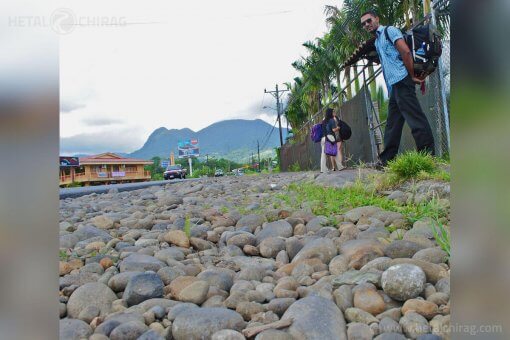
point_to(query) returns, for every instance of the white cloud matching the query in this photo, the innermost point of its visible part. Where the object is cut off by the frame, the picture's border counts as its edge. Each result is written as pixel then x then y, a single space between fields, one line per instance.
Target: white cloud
pixel 123 140
pixel 197 63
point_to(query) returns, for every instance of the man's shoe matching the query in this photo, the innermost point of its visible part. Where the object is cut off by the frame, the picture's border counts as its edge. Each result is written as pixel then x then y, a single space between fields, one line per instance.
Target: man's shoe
pixel 379 166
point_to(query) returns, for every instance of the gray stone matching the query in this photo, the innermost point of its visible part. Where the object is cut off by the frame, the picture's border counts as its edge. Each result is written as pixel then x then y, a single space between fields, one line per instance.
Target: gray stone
pixel 355 277
pixel 390 336
pixel 171 253
pixel 90 294
pixel 88 231
pixel 302 269
pixel 316 223
pixel 443 285
pixel 231 251
pixel 251 221
pixel 374 233
pixel 292 246
pixel 280 305
pixel 219 277
pixel 141 263
pixel 355 214
pixel 273 334
pixel 227 334
pixel 255 273
pixel 199 231
pixel 343 297
pixel 388 325
pixel 359 331
pixel 202 323
pixel 73 329
pixel 89 313
pixel 403 281
pixel 195 293
pixel 142 287
pixel 280 228
pixel 271 246
pixel 433 255
pixel 118 282
pixel 68 240
pixel 315 318
pixel 128 331
pixel 242 239
pixel 168 274
pixel 178 309
pixel 424 227
pixel 322 248
pixel 338 265
pixel 359 315
pixel 402 248
pixel 151 335
pixel 414 325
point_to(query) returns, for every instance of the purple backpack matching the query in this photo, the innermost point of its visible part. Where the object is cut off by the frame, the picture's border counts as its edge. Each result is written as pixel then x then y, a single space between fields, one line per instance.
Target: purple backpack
pixel 330 149
pixel 316 133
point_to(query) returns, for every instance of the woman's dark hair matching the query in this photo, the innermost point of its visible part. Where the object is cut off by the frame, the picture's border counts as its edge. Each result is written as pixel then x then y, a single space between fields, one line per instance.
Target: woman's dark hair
pixel 328 114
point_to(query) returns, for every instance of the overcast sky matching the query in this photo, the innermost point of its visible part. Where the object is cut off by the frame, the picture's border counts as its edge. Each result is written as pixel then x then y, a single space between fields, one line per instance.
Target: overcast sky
pixel 175 64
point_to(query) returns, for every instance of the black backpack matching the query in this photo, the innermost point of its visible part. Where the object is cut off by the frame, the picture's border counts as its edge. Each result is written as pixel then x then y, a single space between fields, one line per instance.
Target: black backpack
pixel 425 45
pixel 345 130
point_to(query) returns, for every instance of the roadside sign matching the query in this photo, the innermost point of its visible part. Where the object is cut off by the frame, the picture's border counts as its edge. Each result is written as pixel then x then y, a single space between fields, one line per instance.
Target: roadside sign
pixel 188 148
pixel 165 163
pixel 69 161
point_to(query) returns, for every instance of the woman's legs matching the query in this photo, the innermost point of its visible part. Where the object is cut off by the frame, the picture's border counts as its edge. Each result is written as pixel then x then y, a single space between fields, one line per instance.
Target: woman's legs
pixel 338 157
pixel 332 159
pixel 324 167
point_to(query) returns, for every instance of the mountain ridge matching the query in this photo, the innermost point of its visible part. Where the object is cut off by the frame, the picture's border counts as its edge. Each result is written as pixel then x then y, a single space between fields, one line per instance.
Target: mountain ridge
pixel 234 139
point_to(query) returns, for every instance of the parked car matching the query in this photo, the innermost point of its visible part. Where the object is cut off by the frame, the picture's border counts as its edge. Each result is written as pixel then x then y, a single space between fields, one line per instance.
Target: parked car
pixel 174 171
pixel 218 173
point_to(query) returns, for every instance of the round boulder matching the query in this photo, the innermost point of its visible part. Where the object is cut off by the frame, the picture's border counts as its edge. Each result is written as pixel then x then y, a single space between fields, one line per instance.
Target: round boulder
pixel 403 281
pixel 202 323
pixel 142 287
pixel 90 294
pixel 315 317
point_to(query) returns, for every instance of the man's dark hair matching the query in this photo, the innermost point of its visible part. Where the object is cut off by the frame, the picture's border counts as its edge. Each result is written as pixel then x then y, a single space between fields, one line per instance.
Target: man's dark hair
pixel 371 12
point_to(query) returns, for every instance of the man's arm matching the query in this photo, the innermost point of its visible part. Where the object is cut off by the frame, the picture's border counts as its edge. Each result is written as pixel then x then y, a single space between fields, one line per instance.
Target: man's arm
pixel 405 53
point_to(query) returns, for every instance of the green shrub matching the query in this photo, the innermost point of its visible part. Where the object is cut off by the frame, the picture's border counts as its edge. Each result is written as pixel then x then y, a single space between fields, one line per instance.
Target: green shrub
pixel 412 164
pixel 295 167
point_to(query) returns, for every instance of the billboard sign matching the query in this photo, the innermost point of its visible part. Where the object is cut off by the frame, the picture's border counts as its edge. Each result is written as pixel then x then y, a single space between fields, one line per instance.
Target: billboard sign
pixel 188 148
pixel 69 161
pixel 165 163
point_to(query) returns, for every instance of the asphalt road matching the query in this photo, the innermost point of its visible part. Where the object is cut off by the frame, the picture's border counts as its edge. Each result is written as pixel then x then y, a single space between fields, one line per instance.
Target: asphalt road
pixel 100 189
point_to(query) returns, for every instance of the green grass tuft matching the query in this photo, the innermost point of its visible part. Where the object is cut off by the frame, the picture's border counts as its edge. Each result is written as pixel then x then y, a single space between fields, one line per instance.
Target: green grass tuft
pixel 187 227
pixel 412 164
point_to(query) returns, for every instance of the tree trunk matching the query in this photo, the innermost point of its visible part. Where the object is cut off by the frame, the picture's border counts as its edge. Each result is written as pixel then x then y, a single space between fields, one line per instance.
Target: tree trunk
pixel 356 80
pixel 347 75
pixel 339 86
pixel 373 85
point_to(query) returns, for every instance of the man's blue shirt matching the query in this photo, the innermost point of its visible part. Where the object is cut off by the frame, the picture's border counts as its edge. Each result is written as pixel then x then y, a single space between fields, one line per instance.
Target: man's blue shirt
pixel 394 69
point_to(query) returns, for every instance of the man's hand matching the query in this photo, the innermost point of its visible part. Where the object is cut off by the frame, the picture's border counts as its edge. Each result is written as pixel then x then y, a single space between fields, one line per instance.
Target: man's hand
pixel 418 80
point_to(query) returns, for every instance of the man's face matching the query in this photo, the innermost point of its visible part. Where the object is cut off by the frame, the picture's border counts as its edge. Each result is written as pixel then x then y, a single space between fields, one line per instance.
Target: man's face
pixel 370 23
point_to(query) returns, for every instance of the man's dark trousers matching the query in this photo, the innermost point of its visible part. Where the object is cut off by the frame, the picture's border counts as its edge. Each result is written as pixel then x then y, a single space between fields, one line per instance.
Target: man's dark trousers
pixel 404 106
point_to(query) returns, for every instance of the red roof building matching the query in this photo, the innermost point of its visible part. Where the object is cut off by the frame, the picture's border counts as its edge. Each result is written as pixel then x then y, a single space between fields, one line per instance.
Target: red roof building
pixel 105 168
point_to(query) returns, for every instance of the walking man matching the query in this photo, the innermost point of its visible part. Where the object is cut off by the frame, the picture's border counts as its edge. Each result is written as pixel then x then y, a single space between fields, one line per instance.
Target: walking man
pixel 397 65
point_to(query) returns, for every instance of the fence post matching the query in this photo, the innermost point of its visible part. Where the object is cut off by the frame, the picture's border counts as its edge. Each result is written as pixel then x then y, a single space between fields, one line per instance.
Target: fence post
pixel 371 132
pixel 442 89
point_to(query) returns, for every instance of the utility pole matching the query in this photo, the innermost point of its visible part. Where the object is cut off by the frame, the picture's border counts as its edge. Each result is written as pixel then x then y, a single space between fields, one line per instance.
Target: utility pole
pixel 258 152
pixel 276 94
